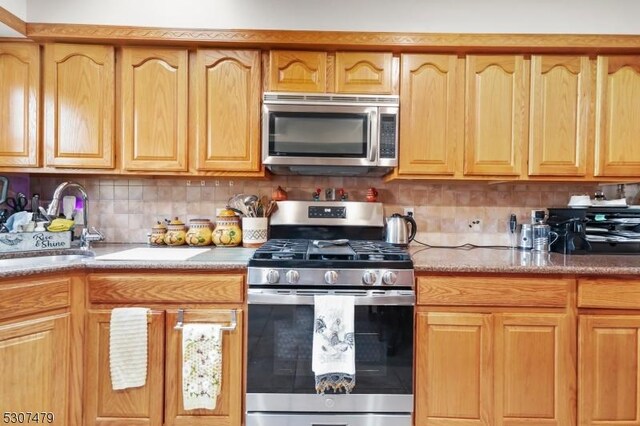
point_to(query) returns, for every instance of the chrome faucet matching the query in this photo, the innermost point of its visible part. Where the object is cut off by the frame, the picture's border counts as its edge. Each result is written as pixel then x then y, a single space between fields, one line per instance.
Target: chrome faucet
pixel 87 235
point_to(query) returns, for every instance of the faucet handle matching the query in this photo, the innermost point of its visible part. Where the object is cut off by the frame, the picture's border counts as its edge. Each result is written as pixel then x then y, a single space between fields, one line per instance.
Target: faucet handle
pixel 90 236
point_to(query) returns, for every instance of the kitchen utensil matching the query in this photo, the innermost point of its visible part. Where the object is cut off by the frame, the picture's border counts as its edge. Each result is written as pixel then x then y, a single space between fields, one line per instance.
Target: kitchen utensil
pixel 272 207
pixel 400 230
pixel 250 204
pixel 540 234
pixel 524 237
pixel 17 203
pixel 326 243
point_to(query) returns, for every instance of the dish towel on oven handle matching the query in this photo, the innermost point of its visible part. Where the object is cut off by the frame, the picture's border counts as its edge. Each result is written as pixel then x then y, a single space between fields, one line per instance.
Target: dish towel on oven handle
pixel 333 359
pixel 201 365
pixel 128 347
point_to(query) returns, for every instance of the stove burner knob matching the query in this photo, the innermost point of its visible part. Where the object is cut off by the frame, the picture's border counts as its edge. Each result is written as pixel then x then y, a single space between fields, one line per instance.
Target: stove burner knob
pixel 273 276
pixel 293 276
pixel 331 277
pixel 369 277
pixel 389 278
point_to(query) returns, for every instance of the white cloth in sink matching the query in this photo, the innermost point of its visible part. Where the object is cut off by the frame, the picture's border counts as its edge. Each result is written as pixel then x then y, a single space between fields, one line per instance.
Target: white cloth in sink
pixel 333 359
pixel 128 347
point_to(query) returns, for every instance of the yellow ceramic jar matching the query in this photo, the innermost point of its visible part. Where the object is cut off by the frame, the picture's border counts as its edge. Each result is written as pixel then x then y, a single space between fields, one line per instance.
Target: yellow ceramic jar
pixel 158 232
pixel 227 232
pixel 199 233
pixel 176 233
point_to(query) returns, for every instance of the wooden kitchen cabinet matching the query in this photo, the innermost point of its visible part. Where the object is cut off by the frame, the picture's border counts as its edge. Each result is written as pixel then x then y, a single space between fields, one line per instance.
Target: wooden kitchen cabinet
pixel 208 298
pixel 79 106
pixel 297 71
pixel 562 92
pixel 364 72
pixel 495 351
pixel 617 112
pixel 154 105
pixel 496 115
pixel 227 108
pixel 431 114
pixel 19 105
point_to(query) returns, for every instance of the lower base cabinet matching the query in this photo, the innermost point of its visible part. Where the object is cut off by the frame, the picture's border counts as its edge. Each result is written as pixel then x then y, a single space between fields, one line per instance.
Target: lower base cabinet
pixel 159 401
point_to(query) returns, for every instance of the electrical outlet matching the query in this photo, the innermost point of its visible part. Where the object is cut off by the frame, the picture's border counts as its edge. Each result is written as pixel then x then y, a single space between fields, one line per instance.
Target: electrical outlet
pixel 409 211
pixel 475 225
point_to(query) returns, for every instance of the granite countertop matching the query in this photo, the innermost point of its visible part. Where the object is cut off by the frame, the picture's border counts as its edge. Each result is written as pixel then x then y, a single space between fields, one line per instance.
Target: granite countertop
pixel 426 259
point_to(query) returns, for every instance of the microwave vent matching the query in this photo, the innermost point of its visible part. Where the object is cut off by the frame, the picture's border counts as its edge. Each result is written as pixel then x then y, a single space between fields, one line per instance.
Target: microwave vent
pixel 329 99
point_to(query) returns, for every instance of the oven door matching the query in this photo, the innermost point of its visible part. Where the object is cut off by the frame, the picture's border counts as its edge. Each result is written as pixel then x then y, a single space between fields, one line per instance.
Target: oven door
pixel 318 135
pixel 279 374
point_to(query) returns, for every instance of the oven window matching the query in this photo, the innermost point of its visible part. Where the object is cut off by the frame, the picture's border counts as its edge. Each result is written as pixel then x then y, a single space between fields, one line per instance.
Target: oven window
pixel 280 342
pixel 311 134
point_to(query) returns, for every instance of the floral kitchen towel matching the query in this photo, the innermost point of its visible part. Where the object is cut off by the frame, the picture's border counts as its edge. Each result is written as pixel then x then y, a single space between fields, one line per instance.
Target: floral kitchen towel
pixel 201 365
pixel 128 347
pixel 333 360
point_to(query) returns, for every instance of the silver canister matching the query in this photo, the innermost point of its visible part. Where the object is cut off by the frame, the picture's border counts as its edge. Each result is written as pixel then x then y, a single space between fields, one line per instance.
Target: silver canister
pixel 525 240
pixel 541 233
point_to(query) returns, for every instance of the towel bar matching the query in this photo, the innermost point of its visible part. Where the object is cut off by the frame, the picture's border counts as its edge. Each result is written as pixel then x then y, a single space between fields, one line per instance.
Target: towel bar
pixel 232 324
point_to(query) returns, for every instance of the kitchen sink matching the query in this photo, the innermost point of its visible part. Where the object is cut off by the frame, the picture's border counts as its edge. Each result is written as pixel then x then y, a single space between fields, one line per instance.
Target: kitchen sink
pixel 35 261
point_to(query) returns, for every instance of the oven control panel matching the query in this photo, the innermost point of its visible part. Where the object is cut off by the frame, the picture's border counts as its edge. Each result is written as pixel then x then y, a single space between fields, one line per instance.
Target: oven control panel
pixel 338 277
pixel 327 212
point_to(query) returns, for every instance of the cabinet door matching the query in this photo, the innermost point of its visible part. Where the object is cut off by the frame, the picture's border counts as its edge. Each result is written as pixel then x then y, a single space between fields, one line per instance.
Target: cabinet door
pixel 453 369
pixel 561 94
pixel 154 109
pixel 496 115
pixel 617 112
pixel 608 370
pixel 431 120
pixel 34 366
pixel 79 106
pixel 535 372
pixel 228 110
pixel 363 72
pixel 128 407
pixel 292 71
pixel 19 92
pixel 228 409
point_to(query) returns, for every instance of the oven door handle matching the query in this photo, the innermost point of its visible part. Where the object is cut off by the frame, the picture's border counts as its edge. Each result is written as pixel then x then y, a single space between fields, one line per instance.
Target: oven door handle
pixel 306 297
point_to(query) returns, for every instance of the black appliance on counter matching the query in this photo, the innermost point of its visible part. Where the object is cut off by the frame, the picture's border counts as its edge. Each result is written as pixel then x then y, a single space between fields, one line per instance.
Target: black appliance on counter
pixel 596 230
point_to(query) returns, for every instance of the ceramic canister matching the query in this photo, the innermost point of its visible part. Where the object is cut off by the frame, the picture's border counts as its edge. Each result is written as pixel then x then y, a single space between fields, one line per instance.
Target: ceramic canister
pixel 227 231
pixel 199 233
pixel 176 233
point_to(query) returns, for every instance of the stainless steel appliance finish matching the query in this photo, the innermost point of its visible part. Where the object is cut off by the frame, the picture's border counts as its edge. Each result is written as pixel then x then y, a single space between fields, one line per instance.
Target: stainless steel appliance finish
pixel 286 274
pixel 400 230
pixel 311 133
pixel 525 238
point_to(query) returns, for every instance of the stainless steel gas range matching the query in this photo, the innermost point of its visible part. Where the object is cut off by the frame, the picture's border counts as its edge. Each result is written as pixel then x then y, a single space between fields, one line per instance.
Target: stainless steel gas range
pixel 334 248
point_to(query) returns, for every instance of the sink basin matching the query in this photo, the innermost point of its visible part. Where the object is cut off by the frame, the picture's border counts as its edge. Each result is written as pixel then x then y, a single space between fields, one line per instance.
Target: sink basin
pixel 35 261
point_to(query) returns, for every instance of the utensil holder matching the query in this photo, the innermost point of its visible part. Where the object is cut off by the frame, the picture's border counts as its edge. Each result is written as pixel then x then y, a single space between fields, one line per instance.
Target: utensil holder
pixel 255 231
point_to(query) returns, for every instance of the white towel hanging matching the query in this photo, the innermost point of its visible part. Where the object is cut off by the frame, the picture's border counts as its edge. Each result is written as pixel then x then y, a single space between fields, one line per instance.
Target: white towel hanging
pixel 201 365
pixel 128 347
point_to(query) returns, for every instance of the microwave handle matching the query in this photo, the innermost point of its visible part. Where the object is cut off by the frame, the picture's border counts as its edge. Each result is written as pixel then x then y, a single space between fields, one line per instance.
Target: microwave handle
pixel 373 139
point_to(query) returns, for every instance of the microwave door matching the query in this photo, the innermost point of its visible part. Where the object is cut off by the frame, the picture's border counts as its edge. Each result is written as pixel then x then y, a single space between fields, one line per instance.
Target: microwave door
pixel 319 135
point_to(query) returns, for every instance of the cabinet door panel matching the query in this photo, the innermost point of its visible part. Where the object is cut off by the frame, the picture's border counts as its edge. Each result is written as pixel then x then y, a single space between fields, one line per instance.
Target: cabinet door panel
pixel 453 369
pixel 608 370
pixel 228 411
pixel 154 109
pixel 34 366
pixel 534 369
pixel 431 120
pixel 79 106
pixel 228 110
pixel 496 115
pixel 293 71
pixel 617 112
pixel 19 92
pixel 368 72
pixel 128 407
pixel 561 95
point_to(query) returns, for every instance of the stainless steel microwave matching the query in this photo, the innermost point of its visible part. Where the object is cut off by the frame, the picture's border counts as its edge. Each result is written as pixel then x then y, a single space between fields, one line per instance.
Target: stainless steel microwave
pixel 335 134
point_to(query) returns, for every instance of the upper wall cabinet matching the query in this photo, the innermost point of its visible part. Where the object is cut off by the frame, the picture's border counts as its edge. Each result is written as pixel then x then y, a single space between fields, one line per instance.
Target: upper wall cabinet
pixel 562 90
pixel 368 72
pixel 496 115
pixel 293 71
pixel 154 102
pixel 227 110
pixel 79 106
pixel 617 116
pixel 431 114
pixel 19 94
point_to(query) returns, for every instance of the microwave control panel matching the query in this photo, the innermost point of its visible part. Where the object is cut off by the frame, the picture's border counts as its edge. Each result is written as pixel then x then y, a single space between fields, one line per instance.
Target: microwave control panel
pixel 327 212
pixel 388 127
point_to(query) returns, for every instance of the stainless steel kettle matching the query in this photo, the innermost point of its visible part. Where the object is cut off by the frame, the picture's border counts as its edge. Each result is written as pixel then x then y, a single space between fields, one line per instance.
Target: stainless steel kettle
pixel 400 230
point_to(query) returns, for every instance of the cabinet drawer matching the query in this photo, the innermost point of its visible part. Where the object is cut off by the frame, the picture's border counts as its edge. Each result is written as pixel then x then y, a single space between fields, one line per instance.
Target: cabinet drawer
pixel 23 297
pixel 609 293
pixel 493 291
pixel 160 288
